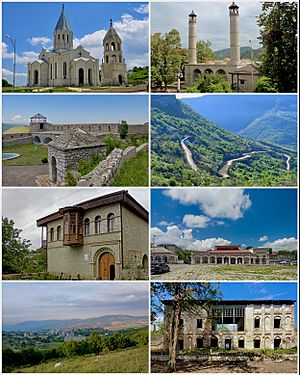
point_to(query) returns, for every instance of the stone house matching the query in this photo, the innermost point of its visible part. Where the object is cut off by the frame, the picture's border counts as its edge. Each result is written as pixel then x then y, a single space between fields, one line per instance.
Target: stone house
pixel 231 255
pixel 105 238
pixel 249 324
pixel 161 253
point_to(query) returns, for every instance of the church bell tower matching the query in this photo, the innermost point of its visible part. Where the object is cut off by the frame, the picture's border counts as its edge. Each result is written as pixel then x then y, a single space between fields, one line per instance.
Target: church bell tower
pixel 63 34
pixel 234 34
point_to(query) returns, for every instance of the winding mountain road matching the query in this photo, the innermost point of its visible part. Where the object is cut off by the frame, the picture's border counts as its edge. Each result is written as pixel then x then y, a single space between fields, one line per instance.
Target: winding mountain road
pixel 188 155
pixel 224 170
pixel 288 164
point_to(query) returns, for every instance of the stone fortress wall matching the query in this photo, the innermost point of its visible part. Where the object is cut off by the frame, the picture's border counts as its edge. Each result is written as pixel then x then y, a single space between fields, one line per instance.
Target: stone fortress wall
pixel 107 170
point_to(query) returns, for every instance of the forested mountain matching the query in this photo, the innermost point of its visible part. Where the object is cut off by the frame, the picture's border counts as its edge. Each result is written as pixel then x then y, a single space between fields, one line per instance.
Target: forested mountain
pixel 177 127
pixel 278 126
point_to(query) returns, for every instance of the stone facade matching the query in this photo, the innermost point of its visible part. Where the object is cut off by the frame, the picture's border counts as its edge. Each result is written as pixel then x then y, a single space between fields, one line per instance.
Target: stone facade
pixel 43 131
pixel 110 241
pixel 64 65
pixel 106 171
pixel 16 139
pixel 241 74
pixel 66 152
pixel 161 253
pixel 113 68
pixel 231 255
pixel 267 324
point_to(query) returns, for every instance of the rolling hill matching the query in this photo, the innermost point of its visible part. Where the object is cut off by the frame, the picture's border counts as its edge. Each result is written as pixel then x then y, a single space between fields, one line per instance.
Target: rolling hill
pixel 214 150
pixel 245 52
pixel 8 128
pixel 278 125
pixel 111 322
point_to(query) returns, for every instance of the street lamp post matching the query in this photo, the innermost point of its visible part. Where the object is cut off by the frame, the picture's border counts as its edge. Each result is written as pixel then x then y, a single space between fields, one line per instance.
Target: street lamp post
pixel 13 42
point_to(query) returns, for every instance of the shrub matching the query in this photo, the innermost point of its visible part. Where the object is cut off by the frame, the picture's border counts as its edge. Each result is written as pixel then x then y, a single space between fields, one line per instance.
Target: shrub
pixel 44 160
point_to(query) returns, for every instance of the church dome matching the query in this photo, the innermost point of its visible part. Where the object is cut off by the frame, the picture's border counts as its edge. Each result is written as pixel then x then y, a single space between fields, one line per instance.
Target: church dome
pixel 111 34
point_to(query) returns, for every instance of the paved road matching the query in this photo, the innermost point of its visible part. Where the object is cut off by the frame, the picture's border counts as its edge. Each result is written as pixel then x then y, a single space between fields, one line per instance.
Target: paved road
pixel 188 155
pixel 24 175
pixel 288 164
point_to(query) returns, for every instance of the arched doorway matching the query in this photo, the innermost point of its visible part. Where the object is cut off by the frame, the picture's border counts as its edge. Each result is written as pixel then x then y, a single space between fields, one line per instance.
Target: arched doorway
pixel 90 76
pixel 53 169
pixel 226 260
pixel 222 72
pixel 36 77
pixel 208 71
pixel 107 270
pixel 81 76
pixel 145 262
pixel 205 260
pixel 196 73
pixel 36 140
pixel 120 78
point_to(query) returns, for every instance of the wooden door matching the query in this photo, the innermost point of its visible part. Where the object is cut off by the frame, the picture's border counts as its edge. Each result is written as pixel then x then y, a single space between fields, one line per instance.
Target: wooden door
pixel 107 267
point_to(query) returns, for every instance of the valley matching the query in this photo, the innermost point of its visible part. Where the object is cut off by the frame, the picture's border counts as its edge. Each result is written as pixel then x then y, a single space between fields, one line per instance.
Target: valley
pixel 213 156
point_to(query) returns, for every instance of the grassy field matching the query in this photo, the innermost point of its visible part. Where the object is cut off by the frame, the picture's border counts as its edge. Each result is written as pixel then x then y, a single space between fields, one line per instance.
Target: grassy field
pixel 129 360
pixel 134 172
pixel 207 272
pixel 30 154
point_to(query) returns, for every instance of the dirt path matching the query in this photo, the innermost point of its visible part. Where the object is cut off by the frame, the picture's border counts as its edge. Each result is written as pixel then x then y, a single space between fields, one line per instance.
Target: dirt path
pixel 24 175
pixel 188 155
pixel 288 164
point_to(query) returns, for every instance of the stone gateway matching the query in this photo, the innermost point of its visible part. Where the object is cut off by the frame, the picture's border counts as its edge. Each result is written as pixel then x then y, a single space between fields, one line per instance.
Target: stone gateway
pixel 104 238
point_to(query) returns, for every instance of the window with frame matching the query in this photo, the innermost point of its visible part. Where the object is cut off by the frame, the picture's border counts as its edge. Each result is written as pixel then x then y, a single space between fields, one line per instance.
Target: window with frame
pixel 58 233
pixel 110 222
pixel 86 227
pixel 98 224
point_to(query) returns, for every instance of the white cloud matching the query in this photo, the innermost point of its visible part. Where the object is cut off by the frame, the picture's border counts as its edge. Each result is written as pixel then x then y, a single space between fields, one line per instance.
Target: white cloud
pixel 36 40
pixel 263 238
pixel 196 221
pixel 16 118
pixel 164 223
pixel 220 203
pixel 8 74
pixel 184 238
pixel 24 58
pixel 134 35
pixel 143 9
pixel 290 243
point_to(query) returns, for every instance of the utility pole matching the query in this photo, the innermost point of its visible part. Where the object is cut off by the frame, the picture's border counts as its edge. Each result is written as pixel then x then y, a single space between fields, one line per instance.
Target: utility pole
pixel 13 42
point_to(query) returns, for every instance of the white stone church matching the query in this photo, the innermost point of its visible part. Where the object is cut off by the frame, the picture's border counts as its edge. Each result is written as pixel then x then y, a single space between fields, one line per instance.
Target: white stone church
pixel 68 66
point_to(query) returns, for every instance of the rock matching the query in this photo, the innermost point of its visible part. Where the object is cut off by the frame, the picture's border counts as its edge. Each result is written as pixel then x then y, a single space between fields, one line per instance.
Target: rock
pixel 59 364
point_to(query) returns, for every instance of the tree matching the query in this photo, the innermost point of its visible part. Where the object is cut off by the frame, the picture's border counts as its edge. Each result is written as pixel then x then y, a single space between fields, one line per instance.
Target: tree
pixel 5 83
pixel 204 51
pixel 265 84
pixel 14 249
pixel 165 58
pixel 278 35
pixel 213 82
pixel 182 297
pixel 123 129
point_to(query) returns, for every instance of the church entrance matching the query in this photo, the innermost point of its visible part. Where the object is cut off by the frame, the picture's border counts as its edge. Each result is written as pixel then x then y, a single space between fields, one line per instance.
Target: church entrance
pixel 80 76
pixel 53 169
pixel 36 77
pixel 120 79
pixel 228 344
pixel 107 267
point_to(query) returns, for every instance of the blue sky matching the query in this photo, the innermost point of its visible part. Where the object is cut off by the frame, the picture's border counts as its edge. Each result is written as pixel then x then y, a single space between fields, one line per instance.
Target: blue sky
pixel 212 20
pixel 32 25
pixel 199 219
pixel 235 112
pixel 76 108
pixel 258 291
pixel 42 301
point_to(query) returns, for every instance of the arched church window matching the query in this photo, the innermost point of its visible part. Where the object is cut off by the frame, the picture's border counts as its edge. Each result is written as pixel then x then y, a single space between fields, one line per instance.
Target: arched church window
pixel 63 36
pixel 68 38
pixel 120 59
pixel 113 58
pixel 86 227
pixel 107 61
pixel 58 37
pixel 55 70
pixel 110 222
pixel 51 234
pixel 58 233
pixel 65 70
pixel 51 73
pixel 113 46
pixel 97 224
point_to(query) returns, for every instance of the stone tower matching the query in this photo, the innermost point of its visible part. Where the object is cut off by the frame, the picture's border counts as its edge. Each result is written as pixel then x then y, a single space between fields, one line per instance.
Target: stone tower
pixel 113 69
pixel 234 34
pixel 63 35
pixel 192 38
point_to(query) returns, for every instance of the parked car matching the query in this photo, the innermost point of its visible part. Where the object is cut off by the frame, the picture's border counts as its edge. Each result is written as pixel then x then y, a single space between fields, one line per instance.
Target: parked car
pixel 159 267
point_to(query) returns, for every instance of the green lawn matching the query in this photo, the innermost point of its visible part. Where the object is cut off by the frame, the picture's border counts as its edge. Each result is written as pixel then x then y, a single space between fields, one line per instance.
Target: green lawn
pixel 30 154
pixel 128 360
pixel 134 172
